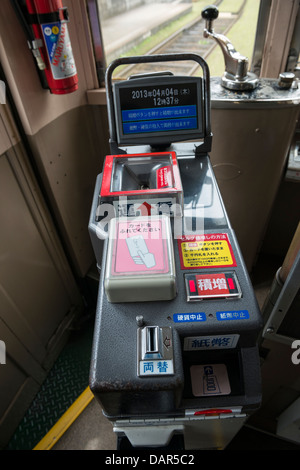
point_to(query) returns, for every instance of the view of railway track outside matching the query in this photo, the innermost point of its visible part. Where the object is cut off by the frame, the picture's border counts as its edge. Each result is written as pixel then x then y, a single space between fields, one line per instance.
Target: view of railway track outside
pixel 237 20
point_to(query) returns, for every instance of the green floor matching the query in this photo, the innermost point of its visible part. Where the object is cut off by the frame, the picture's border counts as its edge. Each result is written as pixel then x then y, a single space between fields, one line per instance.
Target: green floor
pixel 67 379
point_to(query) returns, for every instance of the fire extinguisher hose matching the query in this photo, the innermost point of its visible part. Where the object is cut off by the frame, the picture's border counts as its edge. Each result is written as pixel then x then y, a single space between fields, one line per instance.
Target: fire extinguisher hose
pixel 33 44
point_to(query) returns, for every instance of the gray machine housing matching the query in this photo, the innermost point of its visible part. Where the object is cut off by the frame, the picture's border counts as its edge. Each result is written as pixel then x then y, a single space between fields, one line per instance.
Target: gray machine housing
pixel 124 395
pixel 113 377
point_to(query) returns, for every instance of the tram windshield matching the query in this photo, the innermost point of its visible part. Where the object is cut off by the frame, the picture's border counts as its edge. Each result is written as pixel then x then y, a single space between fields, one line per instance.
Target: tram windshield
pixel 140 28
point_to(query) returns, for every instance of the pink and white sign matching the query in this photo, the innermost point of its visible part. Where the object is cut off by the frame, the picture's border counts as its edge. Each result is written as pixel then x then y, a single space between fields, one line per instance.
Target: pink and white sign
pixel 140 247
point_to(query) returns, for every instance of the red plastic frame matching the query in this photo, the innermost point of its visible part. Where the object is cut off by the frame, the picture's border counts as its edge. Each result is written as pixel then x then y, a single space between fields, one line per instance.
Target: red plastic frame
pixel 108 168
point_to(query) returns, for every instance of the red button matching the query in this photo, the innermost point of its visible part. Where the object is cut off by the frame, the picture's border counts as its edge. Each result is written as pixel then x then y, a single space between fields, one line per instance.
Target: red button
pixel 213 412
pixel 192 286
pixel 230 283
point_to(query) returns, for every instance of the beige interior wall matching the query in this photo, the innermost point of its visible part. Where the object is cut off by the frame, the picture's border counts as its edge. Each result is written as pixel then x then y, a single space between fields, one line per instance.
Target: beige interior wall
pixel 249 154
pixel 67 136
pixel 36 106
pixel 39 297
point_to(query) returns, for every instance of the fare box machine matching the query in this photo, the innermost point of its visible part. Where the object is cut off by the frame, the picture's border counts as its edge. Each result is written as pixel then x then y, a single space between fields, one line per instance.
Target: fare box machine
pixel 174 358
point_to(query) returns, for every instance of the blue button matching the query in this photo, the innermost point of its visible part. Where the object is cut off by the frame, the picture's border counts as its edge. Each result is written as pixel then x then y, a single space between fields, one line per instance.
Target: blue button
pixel 232 315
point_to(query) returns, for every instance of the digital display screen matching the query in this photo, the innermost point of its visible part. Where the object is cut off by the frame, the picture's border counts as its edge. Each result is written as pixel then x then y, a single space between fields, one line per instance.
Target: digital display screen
pixel 168 110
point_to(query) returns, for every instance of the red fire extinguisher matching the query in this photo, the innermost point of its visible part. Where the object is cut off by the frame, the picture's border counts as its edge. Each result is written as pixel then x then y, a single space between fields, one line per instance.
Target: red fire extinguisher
pixel 52 46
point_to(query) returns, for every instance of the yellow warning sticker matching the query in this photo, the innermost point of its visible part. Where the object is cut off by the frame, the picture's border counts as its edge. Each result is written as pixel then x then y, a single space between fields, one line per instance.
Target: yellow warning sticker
pixel 205 251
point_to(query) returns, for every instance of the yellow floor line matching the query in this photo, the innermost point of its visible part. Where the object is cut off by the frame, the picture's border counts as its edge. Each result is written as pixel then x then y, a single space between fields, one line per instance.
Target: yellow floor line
pixel 65 421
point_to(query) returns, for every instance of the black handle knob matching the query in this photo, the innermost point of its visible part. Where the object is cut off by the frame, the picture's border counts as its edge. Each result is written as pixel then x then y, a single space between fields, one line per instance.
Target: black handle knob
pixel 210 13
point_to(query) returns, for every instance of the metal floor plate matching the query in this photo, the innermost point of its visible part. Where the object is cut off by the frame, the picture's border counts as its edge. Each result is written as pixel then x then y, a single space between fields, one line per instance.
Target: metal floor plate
pixel 67 379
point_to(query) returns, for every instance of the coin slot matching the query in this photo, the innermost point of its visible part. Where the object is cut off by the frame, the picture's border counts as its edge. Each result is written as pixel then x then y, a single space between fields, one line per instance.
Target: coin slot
pixel 152 340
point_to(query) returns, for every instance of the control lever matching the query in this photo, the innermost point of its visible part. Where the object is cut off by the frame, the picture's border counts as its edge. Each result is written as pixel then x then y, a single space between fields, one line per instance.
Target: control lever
pixel 236 76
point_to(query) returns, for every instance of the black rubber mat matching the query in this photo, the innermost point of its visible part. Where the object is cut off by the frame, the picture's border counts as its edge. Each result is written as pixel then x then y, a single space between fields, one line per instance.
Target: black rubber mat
pixel 67 379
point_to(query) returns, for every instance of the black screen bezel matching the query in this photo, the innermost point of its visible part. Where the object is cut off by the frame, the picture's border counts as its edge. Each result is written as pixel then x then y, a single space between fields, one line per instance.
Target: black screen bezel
pixel 158 138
